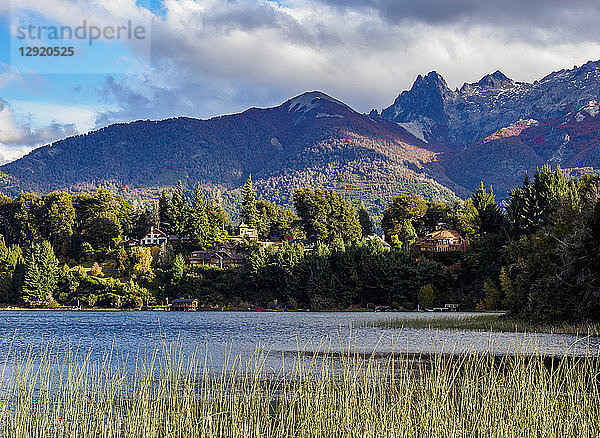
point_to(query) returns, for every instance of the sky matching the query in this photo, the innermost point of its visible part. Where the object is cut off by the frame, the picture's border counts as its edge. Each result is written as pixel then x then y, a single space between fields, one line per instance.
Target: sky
pixel 203 58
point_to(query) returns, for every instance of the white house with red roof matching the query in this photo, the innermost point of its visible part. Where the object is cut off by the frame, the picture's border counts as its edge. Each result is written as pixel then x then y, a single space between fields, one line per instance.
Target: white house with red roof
pixel 154 237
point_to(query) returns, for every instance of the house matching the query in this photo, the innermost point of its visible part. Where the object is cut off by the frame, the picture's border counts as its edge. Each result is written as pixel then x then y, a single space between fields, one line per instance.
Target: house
pixel 441 241
pixel 185 304
pixel 379 239
pixel 153 237
pixel 173 239
pixel 132 242
pixel 247 231
pixel 219 258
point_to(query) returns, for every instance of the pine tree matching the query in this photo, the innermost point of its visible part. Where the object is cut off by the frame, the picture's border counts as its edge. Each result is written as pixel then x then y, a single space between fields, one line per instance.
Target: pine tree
pixel 41 275
pixel 366 224
pixel 199 228
pixel 533 206
pixel 178 269
pixel 249 212
pixel 490 215
pixel 32 292
pixel 177 211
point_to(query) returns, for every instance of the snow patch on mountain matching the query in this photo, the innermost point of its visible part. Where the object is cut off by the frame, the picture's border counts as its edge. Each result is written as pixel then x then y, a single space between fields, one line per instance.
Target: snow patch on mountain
pixel 592 109
pixel 415 129
pixel 477 110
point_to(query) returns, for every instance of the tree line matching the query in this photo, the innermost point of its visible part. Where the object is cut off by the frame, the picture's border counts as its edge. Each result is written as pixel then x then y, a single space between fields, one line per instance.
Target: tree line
pixel 535 254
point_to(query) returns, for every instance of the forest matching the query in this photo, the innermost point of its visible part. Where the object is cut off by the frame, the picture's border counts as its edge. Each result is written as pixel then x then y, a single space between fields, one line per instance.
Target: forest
pixel 534 254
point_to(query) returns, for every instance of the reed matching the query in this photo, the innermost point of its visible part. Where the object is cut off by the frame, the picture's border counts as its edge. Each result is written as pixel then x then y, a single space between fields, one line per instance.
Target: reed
pixel 485 322
pixel 166 393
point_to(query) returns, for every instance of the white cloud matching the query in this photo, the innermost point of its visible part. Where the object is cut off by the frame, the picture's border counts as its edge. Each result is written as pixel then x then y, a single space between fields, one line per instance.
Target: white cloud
pixel 261 53
pixel 17 139
pixel 212 56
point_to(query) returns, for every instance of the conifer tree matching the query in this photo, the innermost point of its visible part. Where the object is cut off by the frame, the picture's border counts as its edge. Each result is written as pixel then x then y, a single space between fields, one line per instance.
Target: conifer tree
pixel 177 211
pixel 490 215
pixel 249 212
pixel 178 269
pixel 199 228
pixel 366 224
pixel 41 275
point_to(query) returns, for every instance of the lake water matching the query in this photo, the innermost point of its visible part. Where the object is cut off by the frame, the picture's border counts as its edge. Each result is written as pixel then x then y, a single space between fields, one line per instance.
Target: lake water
pixel 281 333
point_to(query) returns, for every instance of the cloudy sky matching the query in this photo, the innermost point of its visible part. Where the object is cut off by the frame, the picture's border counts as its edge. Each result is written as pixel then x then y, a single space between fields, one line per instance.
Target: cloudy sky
pixel 203 58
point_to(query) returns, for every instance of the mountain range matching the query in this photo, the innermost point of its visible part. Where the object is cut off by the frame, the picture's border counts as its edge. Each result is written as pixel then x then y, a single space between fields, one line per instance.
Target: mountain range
pixel 432 140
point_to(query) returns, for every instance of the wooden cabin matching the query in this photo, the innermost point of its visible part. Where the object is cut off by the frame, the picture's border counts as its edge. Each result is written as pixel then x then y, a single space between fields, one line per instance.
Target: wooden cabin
pixel 185 304
pixel 441 241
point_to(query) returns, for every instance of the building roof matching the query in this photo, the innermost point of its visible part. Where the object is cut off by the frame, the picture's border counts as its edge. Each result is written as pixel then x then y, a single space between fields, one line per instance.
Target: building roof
pixel 184 300
pixel 443 234
pixel 155 231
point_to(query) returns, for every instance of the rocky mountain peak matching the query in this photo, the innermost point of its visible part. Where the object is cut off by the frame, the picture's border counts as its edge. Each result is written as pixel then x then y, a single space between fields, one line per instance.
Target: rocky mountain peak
pixel 314 104
pixel 479 109
pixel 493 81
pixel 433 80
pixel 310 100
pixel 422 107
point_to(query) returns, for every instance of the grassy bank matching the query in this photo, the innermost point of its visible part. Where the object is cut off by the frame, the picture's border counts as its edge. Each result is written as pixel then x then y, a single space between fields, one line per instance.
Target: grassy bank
pixel 485 322
pixel 325 395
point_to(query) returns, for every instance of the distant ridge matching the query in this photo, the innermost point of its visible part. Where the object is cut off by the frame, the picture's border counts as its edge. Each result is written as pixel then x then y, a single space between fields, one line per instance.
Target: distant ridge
pixel 432 140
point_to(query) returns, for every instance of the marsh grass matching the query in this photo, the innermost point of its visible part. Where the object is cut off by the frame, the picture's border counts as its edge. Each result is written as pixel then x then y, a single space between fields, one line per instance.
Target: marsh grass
pixel 168 394
pixel 484 322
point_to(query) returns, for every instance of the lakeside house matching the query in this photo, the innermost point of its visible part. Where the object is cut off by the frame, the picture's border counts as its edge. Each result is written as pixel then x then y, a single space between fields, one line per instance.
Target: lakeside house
pixel 247 231
pixel 441 241
pixel 185 304
pixel 154 237
pixel 219 258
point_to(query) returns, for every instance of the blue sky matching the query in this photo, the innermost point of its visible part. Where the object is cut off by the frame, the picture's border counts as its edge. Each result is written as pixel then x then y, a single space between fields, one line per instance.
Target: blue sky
pixel 208 57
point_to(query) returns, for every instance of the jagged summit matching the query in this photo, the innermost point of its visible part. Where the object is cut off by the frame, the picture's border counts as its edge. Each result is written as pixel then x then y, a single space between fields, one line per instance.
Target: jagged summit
pixel 432 79
pixel 496 80
pixel 479 109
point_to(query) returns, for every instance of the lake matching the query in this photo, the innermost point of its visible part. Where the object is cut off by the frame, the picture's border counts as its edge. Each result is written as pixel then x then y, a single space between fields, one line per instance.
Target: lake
pixel 281 333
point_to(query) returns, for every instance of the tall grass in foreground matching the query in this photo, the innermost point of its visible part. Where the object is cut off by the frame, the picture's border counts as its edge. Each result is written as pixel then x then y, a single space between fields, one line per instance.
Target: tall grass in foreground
pixel 484 322
pixel 324 395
